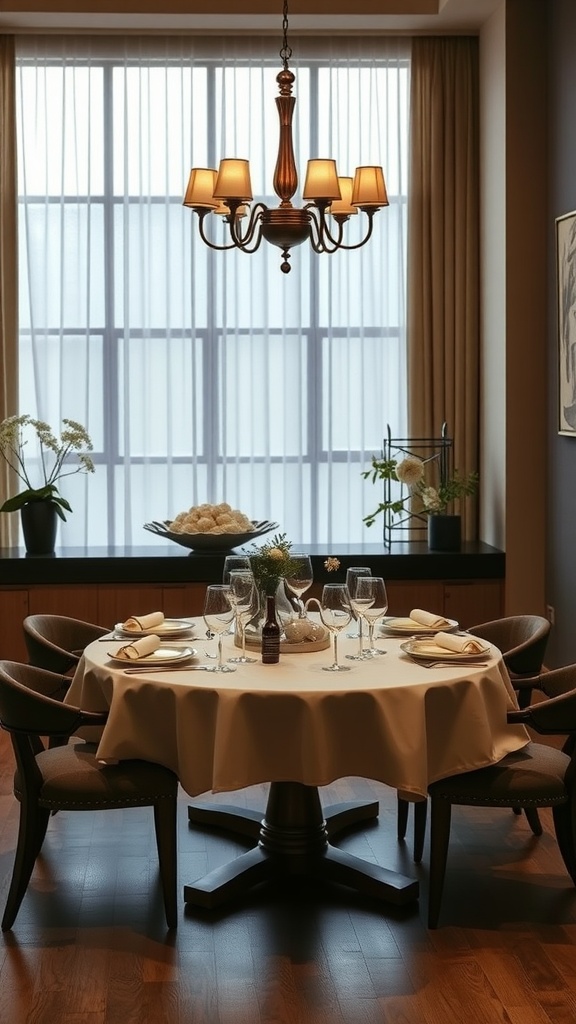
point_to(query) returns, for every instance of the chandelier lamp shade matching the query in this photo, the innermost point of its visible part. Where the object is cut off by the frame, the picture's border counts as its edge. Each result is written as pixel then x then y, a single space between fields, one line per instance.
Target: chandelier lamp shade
pixel 329 200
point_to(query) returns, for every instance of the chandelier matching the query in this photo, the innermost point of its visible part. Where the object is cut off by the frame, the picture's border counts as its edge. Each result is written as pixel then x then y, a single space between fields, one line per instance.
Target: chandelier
pixel 228 192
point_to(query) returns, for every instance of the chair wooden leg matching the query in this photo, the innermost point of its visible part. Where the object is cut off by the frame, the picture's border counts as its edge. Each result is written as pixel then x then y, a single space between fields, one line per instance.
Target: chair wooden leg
pixel 533 819
pixel 441 813
pixel 165 827
pixel 402 816
pixel 31 831
pixel 420 815
pixel 563 816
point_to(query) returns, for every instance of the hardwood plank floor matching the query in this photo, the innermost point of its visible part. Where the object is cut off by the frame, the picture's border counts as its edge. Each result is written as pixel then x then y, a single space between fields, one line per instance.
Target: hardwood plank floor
pixel 90 944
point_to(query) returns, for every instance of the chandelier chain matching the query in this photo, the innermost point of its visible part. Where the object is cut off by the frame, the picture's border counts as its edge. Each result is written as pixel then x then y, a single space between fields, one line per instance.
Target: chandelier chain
pixel 286 51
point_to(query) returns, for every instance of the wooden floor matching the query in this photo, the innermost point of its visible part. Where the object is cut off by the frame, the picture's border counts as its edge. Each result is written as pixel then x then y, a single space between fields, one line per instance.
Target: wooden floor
pixel 90 944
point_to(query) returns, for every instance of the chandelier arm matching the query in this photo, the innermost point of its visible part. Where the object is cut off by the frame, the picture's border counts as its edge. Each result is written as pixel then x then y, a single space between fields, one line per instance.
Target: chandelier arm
pixel 243 241
pixel 319 225
pixel 338 243
pixel 204 236
pixel 367 236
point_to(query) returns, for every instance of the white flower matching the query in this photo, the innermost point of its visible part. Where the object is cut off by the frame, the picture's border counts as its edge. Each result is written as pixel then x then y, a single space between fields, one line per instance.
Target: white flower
pixel 410 471
pixel 431 499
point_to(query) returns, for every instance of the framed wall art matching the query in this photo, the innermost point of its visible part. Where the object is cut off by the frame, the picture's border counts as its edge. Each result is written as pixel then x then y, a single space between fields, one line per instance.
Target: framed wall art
pixel 566 285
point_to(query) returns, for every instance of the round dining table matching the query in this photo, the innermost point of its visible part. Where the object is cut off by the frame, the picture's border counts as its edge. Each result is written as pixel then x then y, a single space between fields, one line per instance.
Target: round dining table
pixel 295 725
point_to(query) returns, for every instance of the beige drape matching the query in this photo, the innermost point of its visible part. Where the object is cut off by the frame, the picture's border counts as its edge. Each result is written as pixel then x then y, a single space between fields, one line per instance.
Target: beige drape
pixel 443 244
pixel 8 267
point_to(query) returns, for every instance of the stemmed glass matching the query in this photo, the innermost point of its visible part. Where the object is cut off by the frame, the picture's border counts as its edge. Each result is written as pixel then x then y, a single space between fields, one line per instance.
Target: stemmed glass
pixel 244 597
pixel 352 574
pixel 300 578
pixel 335 613
pixel 234 563
pixel 218 616
pixel 372 602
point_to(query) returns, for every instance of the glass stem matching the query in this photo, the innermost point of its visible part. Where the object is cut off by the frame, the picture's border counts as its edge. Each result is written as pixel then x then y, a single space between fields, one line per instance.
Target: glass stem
pixel 371 636
pixel 360 636
pixel 220 660
pixel 243 628
pixel 335 648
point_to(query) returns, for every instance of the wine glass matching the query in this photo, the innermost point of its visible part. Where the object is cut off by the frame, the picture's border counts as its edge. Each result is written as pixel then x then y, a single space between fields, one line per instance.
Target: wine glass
pixel 352 574
pixel 218 616
pixel 234 563
pixel 372 602
pixel 245 601
pixel 300 578
pixel 335 613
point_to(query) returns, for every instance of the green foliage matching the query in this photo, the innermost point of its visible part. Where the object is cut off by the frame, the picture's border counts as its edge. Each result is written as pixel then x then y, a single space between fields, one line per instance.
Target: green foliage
pixel 420 498
pixel 271 562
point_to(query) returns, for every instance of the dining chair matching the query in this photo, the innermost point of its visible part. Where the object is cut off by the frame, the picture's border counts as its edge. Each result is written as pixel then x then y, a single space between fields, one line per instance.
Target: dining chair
pixel 70 778
pixel 537 775
pixel 56 642
pixel 522 639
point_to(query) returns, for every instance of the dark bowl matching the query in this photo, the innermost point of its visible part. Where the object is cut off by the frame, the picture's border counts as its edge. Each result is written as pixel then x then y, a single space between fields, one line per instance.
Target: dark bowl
pixel 211 541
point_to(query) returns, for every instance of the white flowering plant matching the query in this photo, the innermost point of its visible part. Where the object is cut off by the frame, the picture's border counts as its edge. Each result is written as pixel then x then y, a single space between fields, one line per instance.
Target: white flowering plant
pixel 54 458
pixel 410 471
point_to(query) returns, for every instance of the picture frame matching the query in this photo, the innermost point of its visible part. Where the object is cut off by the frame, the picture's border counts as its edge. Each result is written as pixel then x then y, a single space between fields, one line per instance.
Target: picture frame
pixel 566 293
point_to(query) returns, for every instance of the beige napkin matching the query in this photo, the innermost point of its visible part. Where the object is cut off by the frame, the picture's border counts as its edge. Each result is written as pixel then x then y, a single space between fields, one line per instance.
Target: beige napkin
pixel 460 644
pixel 428 619
pixel 144 621
pixel 139 649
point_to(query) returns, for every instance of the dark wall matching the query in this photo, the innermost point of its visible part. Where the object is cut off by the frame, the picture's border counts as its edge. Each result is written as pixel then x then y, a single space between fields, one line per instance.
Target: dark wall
pixel 561 555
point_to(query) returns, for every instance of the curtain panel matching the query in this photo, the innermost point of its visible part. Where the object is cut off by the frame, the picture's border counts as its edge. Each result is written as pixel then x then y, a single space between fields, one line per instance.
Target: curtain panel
pixel 8 274
pixel 443 250
pixel 204 376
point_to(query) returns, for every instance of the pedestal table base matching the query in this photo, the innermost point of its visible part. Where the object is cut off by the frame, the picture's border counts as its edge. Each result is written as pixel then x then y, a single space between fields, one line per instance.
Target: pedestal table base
pixel 293 839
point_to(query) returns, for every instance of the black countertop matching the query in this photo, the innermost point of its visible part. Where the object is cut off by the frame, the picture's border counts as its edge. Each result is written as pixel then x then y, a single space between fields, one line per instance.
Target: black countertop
pixel 169 563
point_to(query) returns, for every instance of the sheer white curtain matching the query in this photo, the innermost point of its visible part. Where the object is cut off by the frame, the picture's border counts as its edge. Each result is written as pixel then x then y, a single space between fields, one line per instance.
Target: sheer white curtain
pixel 201 375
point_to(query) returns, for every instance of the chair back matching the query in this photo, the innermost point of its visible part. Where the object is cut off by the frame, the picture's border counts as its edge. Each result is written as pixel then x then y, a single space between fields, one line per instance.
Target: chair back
pixel 56 642
pixel 521 638
pixel 555 716
pixel 31 702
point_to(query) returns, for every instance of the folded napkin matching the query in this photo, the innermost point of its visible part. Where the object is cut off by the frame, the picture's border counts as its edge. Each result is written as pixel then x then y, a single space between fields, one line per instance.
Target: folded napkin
pixel 144 621
pixel 139 649
pixel 460 644
pixel 428 619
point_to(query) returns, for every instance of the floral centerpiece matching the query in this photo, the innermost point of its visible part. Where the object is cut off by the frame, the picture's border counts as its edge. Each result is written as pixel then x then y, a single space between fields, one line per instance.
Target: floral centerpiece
pixel 54 461
pixel 270 563
pixel 420 498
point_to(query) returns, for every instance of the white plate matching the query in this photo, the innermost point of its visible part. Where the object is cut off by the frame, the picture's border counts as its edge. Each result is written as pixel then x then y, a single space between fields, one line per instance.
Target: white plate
pixel 163 655
pixel 428 651
pixel 168 628
pixel 407 626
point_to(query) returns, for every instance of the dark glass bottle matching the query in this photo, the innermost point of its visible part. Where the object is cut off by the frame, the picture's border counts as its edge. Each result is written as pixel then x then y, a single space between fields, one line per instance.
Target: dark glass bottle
pixel 270 634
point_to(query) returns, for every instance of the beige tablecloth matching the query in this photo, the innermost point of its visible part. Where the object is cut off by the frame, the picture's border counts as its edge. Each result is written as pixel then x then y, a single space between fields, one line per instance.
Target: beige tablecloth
pixel 388 719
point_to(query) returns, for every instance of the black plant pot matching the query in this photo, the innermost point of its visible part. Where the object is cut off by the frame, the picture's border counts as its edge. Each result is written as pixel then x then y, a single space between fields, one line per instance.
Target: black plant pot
pixel 39 523
pixel 444 533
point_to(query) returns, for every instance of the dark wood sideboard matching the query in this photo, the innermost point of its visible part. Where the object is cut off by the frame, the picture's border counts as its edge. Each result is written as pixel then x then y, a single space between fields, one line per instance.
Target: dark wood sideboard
pixel 105 585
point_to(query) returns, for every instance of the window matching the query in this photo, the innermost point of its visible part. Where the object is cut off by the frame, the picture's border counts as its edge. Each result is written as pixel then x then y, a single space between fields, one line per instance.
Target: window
pixel 200 375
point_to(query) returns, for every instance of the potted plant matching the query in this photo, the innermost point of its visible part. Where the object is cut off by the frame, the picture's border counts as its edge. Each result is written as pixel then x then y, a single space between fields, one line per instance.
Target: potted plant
pixel 420 498
pixel 39 506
